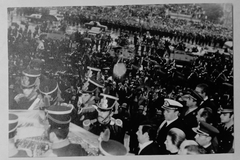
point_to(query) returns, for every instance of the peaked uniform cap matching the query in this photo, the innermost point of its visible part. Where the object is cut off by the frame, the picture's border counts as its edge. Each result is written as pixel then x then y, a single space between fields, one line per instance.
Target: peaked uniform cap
pixel 13 122
pixel 59 116
pixel 193 94
pixel 92 72
pixel 48 86
pixel 226 109
pixel 31 72
pixel 171 104
pixel 91 85
pixel 107 102
pixel 205 129
pixel 112 148
pixel 30 77
pixel 94 69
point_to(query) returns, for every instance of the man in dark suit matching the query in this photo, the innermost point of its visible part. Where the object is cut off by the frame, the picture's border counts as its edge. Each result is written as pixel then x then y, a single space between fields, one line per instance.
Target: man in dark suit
pixel 203 91
pixel 146 135
pixel 205 136
pixel 171 114
pixel 188 115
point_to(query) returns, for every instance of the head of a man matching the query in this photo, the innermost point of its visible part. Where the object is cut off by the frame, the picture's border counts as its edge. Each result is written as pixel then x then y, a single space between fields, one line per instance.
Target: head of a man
pixel 104 116
pixel 145 133
pixel 174 139
pixel 204 114
pixel 205 133
pixel 191 98
pixel 202 90
pixel 202 139
pixel 184 144
pixel 59 118
pixel 56 134
pixel 106 107
pixel 171 109
pixel 30 81
pixel 226 114
pixel 226 117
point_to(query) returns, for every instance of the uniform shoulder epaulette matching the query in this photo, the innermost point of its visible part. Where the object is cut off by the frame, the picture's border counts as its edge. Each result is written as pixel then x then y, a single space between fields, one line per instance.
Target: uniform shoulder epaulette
pixel 118 122
pixel 93 121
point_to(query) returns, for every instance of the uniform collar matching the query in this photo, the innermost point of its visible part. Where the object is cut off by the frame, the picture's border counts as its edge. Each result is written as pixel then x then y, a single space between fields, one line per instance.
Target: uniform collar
pixel 60 144
pixel 169 122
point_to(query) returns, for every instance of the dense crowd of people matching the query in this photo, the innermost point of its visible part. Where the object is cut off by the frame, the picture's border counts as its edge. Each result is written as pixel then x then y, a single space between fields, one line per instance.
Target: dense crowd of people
pixel 151 18
pixel 176 108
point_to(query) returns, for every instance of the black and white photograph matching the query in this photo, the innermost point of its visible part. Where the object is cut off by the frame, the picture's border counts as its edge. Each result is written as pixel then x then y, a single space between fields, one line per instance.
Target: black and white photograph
pixel 133 80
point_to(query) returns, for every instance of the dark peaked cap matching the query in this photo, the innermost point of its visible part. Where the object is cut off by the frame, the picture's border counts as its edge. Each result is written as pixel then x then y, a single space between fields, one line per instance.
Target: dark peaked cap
pixel 193 94
pixel 226 109
pixel 206 129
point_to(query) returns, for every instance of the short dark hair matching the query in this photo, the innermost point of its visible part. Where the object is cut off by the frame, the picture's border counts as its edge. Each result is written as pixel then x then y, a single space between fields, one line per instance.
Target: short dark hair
pixel 150 130
pixel 204 87
pixel 61 133
pixel 207 114
pixel 197 149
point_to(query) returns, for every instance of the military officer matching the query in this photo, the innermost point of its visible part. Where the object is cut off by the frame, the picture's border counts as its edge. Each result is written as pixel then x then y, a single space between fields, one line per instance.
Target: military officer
pixel 104 120
pixel 226 129
pixel 59 117
pixel 192 100
pixel 29 99
pixel 86 105
pixel 171 120
pixel 205 136
pixel 50 92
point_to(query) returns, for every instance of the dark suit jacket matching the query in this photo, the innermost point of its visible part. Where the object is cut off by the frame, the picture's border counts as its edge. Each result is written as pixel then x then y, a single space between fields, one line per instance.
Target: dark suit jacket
pixel 151 149
pixel 162 134
pixel 190 121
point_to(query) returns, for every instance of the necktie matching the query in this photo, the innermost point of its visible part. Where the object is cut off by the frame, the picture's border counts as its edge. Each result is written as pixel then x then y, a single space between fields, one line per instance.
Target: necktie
pixel 161 127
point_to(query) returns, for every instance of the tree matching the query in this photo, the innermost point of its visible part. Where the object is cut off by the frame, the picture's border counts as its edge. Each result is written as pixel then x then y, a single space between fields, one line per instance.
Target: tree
pixel 213 11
